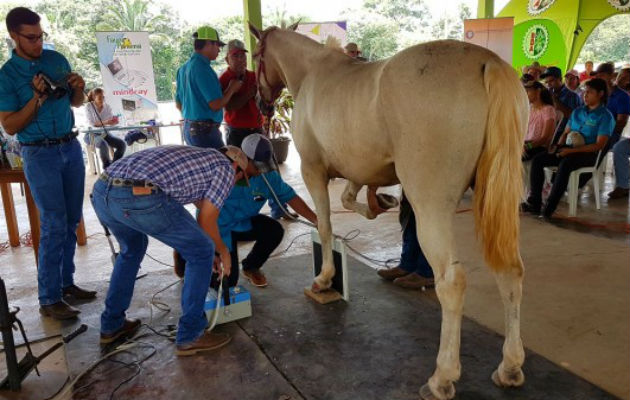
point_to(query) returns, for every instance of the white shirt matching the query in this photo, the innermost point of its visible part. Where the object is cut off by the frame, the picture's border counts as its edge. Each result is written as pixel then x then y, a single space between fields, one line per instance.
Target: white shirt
pixel 93 115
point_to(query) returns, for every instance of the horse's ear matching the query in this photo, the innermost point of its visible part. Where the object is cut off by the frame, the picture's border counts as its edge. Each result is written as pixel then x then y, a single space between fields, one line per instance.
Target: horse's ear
pixel 294 26
pixel 254 31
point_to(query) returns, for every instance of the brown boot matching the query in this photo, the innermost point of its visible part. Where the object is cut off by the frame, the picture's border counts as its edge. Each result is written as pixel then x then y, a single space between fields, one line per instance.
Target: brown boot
pixel 179 263
pixel 256 277
pixel 414 281
pixel 392 273
pixel 60 310
pixel 208 341
pixel 129 328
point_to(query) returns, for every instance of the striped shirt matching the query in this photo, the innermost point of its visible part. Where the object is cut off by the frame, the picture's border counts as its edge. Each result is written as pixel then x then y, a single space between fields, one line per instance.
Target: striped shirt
pixel 185 173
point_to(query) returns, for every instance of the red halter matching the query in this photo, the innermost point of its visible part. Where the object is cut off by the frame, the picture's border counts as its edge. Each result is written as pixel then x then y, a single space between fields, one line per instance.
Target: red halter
pixel 261 72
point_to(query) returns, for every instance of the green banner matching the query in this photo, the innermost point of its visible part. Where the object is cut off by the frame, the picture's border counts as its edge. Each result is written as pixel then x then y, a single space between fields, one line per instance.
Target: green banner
pixel 563 27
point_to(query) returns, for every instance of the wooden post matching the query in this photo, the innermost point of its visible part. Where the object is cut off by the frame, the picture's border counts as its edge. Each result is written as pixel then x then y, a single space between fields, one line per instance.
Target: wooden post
pixel 9 213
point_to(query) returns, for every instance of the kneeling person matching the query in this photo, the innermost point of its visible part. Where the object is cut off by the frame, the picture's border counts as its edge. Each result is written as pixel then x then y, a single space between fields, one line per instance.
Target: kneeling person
pixel 144 195
pixel 240 219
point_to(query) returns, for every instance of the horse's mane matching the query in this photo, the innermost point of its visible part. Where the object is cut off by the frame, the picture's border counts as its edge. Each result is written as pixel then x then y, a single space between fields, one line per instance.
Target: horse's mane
pixel 333 43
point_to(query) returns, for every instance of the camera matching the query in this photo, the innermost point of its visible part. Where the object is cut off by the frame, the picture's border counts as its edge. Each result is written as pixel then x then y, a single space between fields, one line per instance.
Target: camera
pixel 54 89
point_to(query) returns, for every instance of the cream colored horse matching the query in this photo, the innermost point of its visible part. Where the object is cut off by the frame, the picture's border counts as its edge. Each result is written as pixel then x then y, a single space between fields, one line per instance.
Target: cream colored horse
pixel 434 117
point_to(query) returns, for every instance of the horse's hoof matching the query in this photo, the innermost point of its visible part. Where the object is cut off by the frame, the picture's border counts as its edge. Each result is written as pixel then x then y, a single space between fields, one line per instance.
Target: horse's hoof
pixel 447 392
pixel 315 288
pixel 386 201
pixel 512 378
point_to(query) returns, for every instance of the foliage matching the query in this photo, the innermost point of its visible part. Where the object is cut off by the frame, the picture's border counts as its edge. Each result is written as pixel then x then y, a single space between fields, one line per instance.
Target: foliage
pixel 609 41
pixel 280 122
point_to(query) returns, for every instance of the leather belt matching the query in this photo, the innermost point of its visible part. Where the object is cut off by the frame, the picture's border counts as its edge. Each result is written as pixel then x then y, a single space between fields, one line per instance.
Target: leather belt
pixel 125 182
pixel 52 142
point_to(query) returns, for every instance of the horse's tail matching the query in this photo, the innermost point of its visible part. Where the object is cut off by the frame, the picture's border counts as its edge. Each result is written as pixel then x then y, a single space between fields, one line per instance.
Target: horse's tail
pixel 498 181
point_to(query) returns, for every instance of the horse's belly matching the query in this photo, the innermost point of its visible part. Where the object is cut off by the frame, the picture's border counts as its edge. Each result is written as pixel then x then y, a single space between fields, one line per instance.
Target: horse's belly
pixel 362 172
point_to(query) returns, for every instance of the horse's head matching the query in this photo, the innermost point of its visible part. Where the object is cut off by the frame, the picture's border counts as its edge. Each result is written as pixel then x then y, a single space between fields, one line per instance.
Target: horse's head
pixel 268 75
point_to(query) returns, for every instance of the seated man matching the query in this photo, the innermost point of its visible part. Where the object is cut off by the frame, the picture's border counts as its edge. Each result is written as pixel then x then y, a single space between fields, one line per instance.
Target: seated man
pixel 240 218
pixel 621 152
pixel 596 124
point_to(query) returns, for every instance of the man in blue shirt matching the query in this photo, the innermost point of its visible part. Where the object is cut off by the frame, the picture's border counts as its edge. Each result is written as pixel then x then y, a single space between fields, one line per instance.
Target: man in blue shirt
pixel 43 120
pixel 595 123
pixel 618 101
pixel 199 96
pixel 564 99
pixel 240 218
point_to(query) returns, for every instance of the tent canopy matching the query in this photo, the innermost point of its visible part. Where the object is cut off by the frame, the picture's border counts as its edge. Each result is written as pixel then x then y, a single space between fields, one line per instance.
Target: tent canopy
pixel 553 32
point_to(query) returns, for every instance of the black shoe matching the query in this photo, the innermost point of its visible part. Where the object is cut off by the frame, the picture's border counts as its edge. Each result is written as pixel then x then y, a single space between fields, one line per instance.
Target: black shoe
pixel 60 310
pixel 129 328
pixel 529 208
pixel 78 293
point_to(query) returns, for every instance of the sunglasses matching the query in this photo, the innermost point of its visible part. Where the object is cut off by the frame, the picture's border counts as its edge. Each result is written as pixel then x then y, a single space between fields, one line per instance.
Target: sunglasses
pixel 34 38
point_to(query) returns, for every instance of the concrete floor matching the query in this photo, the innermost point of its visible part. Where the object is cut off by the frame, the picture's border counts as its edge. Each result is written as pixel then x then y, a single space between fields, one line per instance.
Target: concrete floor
pixel 576 303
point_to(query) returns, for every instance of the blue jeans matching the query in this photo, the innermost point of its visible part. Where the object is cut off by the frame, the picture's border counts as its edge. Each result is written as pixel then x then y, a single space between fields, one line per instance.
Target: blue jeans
pixel 197 133
pixel 412 258
pixel 131 219
pixel 56 177
pixel 621 152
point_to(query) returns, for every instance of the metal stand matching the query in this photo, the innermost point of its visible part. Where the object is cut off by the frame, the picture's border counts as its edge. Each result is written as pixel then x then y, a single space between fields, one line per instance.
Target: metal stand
pixel 17 372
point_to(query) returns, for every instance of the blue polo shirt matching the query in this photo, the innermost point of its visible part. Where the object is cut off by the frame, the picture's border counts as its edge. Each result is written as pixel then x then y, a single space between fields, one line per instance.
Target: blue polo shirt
pixel 197 85
pixel 245 202
pixel 618 102
pixel 54 118
pixel 592 123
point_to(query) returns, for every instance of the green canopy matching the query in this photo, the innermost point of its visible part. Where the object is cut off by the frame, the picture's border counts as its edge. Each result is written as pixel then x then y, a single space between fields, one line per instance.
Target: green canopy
pixel 553 32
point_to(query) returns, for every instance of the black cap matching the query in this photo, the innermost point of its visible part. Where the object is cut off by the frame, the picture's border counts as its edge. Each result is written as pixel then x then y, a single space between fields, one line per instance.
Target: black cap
pixel 552 71
pixel 605 68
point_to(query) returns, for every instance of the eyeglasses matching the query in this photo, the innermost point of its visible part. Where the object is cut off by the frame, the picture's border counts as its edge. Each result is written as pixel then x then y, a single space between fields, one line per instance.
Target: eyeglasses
pixel 34 38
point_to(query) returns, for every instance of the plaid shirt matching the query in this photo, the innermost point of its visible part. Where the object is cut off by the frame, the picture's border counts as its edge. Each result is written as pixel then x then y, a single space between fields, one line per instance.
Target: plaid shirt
pixel 185 173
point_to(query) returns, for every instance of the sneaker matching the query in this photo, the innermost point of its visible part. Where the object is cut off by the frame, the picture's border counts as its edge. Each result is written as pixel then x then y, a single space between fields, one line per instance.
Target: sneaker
pixel 129 328
pixel 529 208
pixel 59 310
pixel 414 281
pixel 256 277
pixel 392 273
pixel 618 193
pixel 78 293
pixel 208 341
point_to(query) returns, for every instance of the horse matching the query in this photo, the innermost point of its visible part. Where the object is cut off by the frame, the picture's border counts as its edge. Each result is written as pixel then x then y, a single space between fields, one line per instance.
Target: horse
pixel 435 118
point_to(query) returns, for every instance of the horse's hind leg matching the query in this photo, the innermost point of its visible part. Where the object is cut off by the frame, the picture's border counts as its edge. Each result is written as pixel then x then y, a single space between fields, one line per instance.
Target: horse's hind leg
pixel 435 235
pixel 381 201
pixel 510 282
pixel 316 180
pixel 349 200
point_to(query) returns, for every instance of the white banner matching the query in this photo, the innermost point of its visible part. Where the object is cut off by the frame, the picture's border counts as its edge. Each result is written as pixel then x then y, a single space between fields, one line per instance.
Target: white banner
pixel 319 31
pixel 127 70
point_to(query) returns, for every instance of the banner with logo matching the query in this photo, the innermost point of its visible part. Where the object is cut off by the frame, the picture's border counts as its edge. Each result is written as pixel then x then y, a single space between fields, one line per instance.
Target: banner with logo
pixel 492 33
pixel 553 32
pixel 127 71
pixel 319 31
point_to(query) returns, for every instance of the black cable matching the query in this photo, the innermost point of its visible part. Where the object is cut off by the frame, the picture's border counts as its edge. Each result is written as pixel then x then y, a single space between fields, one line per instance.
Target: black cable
pixel 158 261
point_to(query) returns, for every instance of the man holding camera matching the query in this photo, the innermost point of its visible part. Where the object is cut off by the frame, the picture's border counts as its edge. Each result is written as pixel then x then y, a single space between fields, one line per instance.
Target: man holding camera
pixel 199 96
pixel 37 91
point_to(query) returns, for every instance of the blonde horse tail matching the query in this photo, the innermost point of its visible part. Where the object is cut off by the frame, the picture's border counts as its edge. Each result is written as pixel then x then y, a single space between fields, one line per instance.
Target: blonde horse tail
pixel 498 181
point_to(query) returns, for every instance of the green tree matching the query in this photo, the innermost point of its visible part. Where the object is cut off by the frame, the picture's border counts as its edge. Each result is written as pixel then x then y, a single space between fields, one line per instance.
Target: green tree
pixel 610 41
pixel 130 15
pixel 451 26
pixel 410 15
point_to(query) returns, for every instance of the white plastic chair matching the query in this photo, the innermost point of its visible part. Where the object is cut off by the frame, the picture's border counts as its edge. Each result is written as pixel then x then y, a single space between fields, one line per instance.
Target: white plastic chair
pixel 574 182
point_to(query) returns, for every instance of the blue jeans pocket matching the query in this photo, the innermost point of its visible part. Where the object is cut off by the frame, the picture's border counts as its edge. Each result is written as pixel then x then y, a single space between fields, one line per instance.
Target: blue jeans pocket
pixel 152 220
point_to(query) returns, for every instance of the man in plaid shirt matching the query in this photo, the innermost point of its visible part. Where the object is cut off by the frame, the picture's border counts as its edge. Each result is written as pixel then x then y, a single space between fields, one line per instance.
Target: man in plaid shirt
pixel 144 195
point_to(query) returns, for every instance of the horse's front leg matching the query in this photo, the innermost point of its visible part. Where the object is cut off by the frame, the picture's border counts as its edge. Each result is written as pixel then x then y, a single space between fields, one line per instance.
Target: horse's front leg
pixel 316 180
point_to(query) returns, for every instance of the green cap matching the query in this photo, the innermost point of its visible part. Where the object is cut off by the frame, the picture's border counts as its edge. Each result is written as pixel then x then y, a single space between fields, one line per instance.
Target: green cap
pixel 208 33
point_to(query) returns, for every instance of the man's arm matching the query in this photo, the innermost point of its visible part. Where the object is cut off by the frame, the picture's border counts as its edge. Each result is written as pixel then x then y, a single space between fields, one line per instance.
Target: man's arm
pixel 303 209
pixel 622 120
pixel 589 148
pixel 233 87
pixel 77 84
pixel 15 121
pixel 240 100
pixel 207 219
